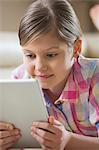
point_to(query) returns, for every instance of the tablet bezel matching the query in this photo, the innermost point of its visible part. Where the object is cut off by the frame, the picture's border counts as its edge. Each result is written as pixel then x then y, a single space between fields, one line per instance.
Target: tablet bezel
pixel 21 114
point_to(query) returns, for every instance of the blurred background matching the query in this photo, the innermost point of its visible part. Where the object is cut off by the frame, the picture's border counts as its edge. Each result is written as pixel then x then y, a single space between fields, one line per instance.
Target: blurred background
pixel 11 12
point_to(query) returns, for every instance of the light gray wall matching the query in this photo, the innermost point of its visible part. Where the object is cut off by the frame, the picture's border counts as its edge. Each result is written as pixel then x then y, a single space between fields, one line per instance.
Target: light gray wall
pixel 82 8
pixel 11 12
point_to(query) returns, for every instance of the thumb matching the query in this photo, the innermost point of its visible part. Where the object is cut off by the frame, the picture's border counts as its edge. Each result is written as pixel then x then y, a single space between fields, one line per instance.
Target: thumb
pixel 53 121
pixel 6 126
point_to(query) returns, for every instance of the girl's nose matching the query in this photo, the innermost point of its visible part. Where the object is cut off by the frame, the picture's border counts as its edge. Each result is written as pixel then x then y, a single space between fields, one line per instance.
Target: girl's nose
pixel 40 65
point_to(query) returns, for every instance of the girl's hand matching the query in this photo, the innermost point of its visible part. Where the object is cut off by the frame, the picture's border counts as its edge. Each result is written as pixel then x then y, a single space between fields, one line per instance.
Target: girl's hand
pixel 50 136
pixel 9 135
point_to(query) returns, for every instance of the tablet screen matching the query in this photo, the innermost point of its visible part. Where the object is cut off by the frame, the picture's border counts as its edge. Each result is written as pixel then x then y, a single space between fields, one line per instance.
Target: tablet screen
pixel 21 103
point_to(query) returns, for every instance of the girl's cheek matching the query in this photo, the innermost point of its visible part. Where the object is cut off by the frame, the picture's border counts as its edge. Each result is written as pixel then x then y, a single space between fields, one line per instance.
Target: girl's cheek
pixel 29 67
pixel 30 70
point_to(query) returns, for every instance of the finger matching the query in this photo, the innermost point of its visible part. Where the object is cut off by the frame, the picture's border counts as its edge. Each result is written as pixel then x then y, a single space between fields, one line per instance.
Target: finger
pixel 45 147
pixel 9 140
pixel 6 126
pixel 53 138
pixel 8 145
pixel 45 126
pixel 5 133
pixel 44 134
pixel 51 119
pixel 42 141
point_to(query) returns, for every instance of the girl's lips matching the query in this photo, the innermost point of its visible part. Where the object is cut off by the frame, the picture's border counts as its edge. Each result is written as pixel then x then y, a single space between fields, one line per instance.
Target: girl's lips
pixel 41 77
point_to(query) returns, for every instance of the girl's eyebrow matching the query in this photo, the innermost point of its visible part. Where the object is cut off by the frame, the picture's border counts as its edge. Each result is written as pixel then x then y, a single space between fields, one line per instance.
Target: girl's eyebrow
pixel 26 50
pixel 49 49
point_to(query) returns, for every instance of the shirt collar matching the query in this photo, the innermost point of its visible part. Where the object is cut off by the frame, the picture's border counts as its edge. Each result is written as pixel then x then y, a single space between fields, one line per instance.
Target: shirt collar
pixel 75 85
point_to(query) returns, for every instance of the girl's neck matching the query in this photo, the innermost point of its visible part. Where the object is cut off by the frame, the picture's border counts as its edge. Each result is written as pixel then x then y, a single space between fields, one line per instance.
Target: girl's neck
pixel 55 93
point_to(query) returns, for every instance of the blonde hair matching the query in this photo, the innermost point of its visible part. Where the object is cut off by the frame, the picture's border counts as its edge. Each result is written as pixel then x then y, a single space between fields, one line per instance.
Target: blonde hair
pixel 44 15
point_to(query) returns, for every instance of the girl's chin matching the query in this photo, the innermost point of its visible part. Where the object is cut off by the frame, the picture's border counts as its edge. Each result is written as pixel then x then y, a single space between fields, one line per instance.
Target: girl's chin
pixel 44 85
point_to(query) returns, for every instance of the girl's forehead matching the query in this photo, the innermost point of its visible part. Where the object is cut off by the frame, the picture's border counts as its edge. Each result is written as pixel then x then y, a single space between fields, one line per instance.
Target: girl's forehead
pixel 50 37
pixel 46 42
pixel 44 49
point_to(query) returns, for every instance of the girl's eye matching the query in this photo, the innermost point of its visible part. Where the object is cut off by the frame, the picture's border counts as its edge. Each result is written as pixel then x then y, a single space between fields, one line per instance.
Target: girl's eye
pixel 30 56
pixel 52 55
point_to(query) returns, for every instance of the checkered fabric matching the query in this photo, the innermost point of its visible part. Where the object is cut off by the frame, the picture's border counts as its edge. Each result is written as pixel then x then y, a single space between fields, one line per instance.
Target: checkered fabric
pixel 78 105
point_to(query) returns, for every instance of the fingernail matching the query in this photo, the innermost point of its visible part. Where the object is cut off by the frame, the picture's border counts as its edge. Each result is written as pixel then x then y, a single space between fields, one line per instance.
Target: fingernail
pixel 51 120
pixel 16 131
pixel 9 126
pixel 33 129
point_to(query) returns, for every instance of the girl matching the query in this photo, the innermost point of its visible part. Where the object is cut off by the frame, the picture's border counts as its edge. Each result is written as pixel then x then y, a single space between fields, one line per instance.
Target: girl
pixel 50 34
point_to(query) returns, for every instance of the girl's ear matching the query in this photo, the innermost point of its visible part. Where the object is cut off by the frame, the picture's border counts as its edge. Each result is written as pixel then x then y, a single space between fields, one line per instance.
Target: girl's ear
pixel 77 46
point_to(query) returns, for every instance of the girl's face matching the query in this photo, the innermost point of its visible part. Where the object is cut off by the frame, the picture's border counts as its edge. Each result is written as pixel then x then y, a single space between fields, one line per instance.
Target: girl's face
pixel 49 60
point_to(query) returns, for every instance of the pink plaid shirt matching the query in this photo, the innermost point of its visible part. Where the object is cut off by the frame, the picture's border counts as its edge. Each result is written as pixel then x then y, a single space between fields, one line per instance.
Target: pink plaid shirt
pixel 78 105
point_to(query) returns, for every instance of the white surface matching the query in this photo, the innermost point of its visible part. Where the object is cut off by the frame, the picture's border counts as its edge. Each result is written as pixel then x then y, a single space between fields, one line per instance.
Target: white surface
pixel 21 103
pixel 5 73
pixel 10 50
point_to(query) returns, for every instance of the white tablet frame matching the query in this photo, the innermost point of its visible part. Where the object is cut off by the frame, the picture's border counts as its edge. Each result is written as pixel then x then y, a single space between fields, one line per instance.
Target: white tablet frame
pixel 21 103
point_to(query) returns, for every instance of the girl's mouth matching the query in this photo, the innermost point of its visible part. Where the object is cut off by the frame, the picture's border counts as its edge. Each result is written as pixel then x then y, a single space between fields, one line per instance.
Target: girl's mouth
pixel 43 77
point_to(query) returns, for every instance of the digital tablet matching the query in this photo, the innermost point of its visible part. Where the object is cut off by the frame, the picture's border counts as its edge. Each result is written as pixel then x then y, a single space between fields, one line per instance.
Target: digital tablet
pixel 21 103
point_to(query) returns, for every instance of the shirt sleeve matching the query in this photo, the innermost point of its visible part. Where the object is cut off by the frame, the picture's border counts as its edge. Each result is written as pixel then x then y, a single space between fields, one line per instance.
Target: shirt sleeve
pixel 94 98
pixel 18 73
pixel 97 126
